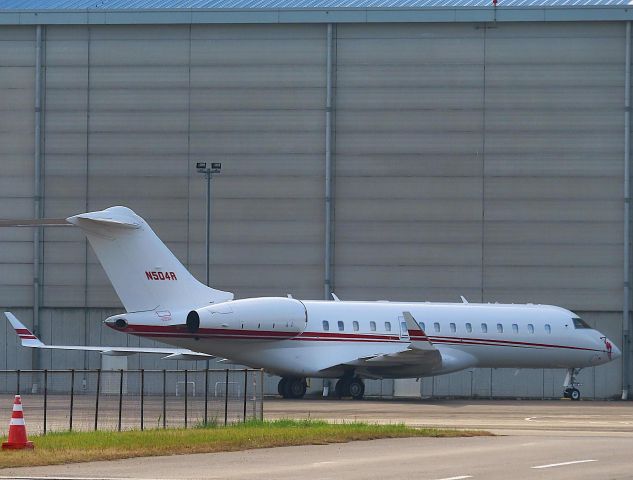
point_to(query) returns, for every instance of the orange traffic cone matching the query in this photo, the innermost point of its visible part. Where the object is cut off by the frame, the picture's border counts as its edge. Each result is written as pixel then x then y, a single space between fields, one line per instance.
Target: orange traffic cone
pixel 17 429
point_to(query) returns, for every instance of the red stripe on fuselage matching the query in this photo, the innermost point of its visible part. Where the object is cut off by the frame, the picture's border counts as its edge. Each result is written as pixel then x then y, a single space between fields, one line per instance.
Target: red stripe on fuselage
pixel 180 332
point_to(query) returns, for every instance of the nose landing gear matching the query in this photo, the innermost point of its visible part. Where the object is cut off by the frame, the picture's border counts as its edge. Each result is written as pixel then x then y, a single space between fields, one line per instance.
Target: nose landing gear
pixel 570 384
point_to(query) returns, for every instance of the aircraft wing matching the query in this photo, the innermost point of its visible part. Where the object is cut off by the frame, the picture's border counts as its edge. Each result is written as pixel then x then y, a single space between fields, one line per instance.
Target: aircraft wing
pixel 419 353
pixel 31 341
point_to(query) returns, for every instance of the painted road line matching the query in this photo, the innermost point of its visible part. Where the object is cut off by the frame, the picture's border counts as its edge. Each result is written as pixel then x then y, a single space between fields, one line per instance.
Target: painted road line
pixel 461 477
pixel 564 463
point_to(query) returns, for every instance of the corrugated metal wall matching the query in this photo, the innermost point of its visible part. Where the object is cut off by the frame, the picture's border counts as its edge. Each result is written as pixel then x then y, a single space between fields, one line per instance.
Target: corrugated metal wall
pixel 473 160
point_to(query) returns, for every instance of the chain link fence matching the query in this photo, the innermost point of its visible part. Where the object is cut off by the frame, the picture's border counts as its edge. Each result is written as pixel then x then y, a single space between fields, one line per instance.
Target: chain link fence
pixel 61 400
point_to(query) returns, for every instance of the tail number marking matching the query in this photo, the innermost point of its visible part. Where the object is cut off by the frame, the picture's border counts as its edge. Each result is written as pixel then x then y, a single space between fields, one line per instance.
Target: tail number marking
pixel 160 275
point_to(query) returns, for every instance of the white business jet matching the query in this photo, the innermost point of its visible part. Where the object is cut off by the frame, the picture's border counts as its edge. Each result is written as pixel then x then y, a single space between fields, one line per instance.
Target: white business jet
pixel 297 339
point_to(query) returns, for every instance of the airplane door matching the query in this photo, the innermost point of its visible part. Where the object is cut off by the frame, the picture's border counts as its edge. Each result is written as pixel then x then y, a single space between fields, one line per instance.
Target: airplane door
pixel 404 331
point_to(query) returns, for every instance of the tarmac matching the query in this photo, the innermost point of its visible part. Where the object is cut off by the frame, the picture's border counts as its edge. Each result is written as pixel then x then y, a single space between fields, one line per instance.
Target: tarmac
pixel 534 440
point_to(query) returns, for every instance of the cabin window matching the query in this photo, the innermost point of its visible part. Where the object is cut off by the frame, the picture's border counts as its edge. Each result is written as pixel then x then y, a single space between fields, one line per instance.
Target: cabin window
pixel 548 328
pixel 453 328
pixel 580 323
pixel 422 326
pixel 484 328
pixel 469 328
pixel 436 326
pixel 355 325
pixel 515 328
pixel 372 326
pixel 530 328
pixel 499 328
pixel 388 326
pixel 341 326
pixel 326 325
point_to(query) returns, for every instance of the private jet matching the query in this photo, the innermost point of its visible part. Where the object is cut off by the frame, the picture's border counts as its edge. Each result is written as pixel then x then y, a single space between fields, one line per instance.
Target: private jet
pixel 298 339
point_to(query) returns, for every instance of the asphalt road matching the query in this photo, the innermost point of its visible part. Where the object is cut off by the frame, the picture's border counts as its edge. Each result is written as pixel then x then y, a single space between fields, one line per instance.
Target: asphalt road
pixel 535 440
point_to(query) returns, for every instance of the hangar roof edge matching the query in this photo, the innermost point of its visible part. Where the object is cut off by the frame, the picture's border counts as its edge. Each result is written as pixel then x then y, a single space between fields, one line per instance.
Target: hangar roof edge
pixel 119 12
pixel 194 5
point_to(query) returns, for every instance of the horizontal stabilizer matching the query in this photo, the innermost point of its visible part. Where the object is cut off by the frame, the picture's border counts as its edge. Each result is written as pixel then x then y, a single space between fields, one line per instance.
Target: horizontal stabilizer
pixel 29 340
pixel 34 222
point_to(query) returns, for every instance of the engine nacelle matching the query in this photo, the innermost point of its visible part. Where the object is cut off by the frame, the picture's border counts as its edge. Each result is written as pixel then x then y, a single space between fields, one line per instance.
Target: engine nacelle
pixel 273 315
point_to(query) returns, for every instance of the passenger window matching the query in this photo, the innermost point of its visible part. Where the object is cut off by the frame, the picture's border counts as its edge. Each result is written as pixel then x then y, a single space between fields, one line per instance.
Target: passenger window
pixel 469 328
pixel 548 329
pixel 422 326
pixel 372 326
pixel 499 328
pixel 388 326
pixel 515 328
pixel 436 326
pixel 403 327
pixel 484 328
pixel 355 325
pixel 326 325
pixel 341 326
pixel 453 328
pixel 530 328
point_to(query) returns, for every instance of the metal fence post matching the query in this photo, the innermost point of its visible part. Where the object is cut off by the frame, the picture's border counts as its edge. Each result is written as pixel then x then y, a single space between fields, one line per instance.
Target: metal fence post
pixel 120 398
pixel 97 398
pixel 17 383
pixel 254 396
pixel 226 398
pixel 245 391
pixel 261 395
pixel 186 397
pixel 164 398
pixel 142 398
pixel 45 398
pixel 206 396
pixel 72 399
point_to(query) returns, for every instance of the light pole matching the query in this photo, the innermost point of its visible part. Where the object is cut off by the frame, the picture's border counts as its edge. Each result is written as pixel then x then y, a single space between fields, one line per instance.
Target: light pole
pixel 201 167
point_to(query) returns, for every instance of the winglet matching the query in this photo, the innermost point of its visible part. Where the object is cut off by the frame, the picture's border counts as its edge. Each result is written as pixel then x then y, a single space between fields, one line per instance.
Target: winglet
pixel 412 325
pixel 419 340
pixel 27 338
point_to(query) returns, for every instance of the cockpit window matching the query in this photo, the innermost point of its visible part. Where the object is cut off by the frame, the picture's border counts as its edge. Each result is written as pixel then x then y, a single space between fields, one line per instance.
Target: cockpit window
pixel 580 323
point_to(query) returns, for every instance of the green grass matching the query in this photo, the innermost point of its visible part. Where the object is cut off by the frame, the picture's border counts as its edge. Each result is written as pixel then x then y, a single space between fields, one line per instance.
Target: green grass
pixel 71 447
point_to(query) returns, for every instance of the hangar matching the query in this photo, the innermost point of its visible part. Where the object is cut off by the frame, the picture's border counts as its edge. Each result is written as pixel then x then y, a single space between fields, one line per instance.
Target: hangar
pixel 403 150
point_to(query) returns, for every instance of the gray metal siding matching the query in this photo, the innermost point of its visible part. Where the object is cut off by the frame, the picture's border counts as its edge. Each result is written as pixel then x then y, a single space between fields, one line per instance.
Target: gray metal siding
pixel 409 143
pixel 17 60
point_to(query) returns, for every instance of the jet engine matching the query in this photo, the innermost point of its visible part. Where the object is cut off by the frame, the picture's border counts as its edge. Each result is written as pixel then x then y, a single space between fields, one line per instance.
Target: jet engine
pixel 273 316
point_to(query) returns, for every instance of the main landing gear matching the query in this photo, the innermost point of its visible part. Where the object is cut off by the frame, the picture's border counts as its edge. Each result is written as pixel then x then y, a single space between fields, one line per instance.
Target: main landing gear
pixel 350 387
pixel 292 387
pixel 570 384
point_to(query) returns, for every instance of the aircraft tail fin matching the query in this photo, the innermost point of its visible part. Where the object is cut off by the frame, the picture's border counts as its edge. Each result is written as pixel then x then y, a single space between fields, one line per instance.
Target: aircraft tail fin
pixel 144 273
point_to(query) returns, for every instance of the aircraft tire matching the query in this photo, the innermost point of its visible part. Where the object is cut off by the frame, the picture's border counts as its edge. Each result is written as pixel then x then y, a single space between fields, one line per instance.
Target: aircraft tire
pixel 281 387
pixel 356 388
pixel 574 394
pixel 342 388
pixel 295 388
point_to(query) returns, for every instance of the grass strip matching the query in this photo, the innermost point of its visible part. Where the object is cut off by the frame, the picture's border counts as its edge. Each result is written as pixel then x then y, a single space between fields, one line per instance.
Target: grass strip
pixel 73 447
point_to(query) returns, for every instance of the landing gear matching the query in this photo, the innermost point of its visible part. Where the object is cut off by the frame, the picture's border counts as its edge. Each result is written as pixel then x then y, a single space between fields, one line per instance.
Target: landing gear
pixel 292 387
pixel 570 384
pixel 356 388
pixel 350 387
pixel 281 387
